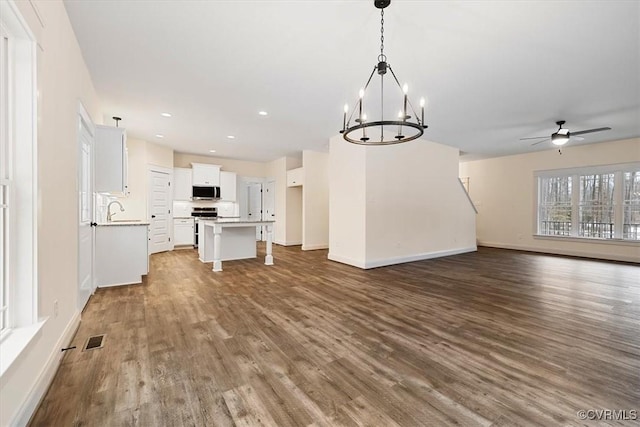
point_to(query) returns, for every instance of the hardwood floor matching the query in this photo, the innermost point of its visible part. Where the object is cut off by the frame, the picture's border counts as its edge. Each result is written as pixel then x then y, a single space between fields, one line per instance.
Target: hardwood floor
pixel 493 338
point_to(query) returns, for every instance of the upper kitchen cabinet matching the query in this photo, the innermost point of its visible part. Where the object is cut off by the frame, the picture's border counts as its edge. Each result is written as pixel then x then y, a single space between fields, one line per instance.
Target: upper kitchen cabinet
pixel 228 186
pixel 182 183
pixel 111 160
pixel 295 177
pixel 205 175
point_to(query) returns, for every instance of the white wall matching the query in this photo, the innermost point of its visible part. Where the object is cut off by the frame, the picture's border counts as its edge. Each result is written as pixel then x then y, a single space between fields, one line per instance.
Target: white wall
pixel 397 204
pixel 416 207
pixel 504 191
pixel 315 200
pixel 288 206
pixel 63 80
pixel 347 202
pixel 240 167
pixel 142 154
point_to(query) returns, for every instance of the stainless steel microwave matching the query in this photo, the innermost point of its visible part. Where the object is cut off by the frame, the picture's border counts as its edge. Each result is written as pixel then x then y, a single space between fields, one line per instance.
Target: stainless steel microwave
pixel 205 193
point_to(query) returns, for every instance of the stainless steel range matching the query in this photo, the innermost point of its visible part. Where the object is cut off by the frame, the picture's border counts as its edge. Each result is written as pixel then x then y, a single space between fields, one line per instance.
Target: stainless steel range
pixel 201 213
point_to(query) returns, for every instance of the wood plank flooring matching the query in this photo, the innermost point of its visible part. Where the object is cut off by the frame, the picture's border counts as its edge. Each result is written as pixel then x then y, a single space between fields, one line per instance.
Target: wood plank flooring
pixel 493 338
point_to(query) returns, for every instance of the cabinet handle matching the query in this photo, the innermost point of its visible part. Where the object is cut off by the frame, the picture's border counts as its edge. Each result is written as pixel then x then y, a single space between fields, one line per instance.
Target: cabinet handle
pixel 153 216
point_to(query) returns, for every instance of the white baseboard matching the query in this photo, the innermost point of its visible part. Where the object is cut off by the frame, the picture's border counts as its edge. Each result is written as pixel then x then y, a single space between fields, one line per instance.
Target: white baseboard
pixel 418 257
pixel 401 259
pixel 45 377
pixel 315 247
pixel 292 243
pixel 126 283
pixel 345 260
pixel 555 251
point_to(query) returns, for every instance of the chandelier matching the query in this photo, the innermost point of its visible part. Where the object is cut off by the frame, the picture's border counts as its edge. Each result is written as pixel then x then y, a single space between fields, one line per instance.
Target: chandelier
pixel 391 131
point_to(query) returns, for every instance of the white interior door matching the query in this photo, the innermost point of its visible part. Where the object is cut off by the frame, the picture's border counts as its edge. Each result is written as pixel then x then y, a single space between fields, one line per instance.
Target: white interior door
pixel 254 210
pixel 269 202
pixel 86 234
pixel 159 211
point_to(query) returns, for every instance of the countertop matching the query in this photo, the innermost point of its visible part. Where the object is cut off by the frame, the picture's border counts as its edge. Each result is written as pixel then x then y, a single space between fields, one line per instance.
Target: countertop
pixel 236 221
pixel 122 222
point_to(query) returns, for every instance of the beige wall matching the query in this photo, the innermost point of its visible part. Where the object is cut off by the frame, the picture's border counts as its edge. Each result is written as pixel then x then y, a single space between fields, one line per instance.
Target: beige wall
pixel 288 202
pixel 347 202
pixel 159 155
pixel 142 154
pixel 397 204
pixel 315 200
pixel 504 191
pixel 63 80
pixel 240 167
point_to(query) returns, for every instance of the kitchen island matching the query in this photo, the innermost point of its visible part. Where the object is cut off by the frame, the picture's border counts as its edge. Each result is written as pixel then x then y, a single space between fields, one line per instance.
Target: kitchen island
pixel 227 239
pixel 121 252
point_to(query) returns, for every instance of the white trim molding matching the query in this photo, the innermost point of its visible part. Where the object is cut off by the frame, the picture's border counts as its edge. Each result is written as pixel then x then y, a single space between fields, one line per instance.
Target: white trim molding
pixel 383 262
pixel 46 375
pixel 554 251
pixel 315 247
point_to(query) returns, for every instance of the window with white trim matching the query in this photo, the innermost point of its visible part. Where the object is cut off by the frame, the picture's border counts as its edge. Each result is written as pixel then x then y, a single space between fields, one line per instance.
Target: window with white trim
pixel 18 185
pixel 631 203
pixel 600 202
pixel 4 182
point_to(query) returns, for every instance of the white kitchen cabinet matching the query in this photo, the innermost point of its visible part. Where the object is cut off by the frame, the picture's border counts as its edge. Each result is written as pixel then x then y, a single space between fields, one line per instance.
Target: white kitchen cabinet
pixel 183 231
pixel 228 192
pixel 122 257
pixel 182 183
pixel 205 175
pixel 111 160
pixel 295 177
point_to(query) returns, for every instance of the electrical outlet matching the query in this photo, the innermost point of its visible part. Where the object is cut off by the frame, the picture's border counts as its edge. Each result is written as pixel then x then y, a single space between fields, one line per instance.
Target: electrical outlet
pixel 55 308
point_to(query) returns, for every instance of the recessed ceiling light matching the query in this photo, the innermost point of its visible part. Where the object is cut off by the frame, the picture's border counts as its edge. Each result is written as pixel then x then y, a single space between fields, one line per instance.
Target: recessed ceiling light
pixel 212 151
pixel 231 137
pixel 263 113
pixel 159 135
pixel 165 114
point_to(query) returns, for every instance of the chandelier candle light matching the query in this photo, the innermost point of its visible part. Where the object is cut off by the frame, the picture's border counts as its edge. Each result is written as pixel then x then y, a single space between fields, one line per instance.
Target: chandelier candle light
pixel 416 127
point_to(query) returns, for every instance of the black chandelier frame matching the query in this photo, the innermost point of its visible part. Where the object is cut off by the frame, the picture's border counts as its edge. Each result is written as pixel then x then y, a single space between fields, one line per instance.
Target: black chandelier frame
pixel 401 124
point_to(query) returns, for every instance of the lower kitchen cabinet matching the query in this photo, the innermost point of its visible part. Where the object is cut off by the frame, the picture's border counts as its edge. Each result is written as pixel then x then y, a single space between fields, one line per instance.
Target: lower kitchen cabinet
pixel 183 231
pixel 122 257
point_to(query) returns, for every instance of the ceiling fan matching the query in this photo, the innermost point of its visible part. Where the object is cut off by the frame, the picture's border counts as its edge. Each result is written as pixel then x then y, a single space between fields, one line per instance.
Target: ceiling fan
pixel 562 135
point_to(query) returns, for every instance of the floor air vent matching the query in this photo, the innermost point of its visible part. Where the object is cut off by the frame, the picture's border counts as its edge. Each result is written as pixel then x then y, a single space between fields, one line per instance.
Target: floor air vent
pixel 94 342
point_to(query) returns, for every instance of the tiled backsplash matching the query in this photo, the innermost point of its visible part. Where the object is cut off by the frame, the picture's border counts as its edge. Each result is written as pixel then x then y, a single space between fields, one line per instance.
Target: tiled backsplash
pixel 225 209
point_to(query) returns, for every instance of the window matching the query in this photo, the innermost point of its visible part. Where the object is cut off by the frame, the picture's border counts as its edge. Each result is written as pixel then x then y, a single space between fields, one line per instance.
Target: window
pixel 4 182
pixel 631 203
pixel 600 202
pixel 596 206
pixel 554 209
pixel 18 219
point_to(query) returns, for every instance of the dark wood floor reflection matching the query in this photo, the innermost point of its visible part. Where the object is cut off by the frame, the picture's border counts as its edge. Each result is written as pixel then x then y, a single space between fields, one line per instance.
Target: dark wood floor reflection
pixel 490 338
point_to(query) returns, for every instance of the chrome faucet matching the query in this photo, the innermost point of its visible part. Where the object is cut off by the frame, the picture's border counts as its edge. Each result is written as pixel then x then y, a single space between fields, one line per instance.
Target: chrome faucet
pixel 109 214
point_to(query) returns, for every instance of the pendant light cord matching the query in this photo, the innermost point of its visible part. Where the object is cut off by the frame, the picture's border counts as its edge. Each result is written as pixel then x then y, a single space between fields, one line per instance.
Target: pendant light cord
pixel 382 57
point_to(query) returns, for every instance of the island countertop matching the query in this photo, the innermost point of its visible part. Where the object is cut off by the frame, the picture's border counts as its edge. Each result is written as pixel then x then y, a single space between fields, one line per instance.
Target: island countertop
pixel 121 222
pixel 247 221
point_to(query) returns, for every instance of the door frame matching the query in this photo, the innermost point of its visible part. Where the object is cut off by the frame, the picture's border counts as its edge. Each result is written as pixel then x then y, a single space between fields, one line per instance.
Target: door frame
pixel 84 117
pixel 260 235
pixel 169 171
pixel 268 181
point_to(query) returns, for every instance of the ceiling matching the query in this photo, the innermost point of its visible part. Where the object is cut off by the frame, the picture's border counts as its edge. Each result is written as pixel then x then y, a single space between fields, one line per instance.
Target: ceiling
pixel 492 72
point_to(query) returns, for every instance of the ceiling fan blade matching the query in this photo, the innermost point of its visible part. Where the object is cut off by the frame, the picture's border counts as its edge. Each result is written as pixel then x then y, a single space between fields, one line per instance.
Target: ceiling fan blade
pixel 582 132
pixel 534 137
pixel 540 142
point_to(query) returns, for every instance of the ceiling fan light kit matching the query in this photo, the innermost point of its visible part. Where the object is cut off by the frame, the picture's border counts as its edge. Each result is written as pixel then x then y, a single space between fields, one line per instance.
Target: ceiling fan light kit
pixel 396 129
pixel 563 135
